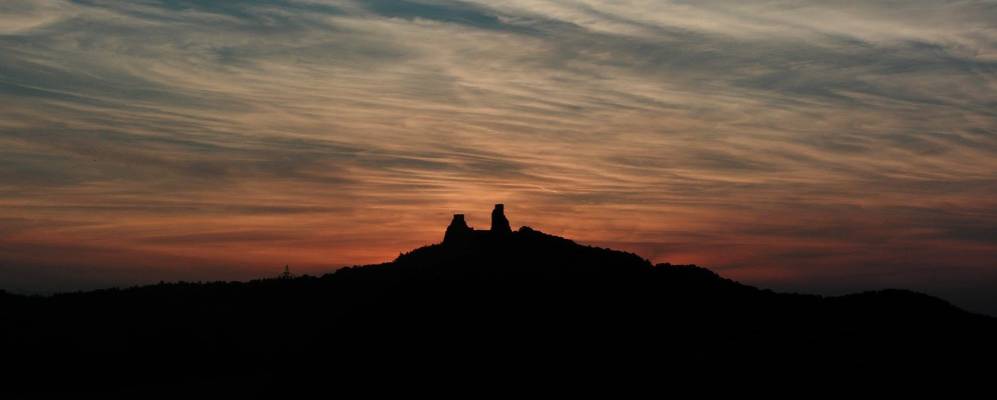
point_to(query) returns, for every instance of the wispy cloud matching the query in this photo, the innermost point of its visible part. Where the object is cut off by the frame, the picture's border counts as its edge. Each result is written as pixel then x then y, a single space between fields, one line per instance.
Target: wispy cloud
pixel 802 137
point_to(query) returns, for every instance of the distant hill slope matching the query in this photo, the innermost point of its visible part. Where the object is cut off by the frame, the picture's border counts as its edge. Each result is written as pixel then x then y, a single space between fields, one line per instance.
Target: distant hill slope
pixel 538 302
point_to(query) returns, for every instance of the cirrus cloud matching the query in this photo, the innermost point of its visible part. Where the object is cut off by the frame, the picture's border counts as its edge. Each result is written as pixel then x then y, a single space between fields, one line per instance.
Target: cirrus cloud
pixel 829 141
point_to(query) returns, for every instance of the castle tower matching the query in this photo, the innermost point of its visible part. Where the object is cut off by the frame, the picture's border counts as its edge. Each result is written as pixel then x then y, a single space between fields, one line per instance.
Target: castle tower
pixel 500 224
pixel 457 230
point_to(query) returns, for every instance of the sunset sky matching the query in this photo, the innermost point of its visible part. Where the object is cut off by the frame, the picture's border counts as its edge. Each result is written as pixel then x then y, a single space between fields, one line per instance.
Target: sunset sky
pixel 821 146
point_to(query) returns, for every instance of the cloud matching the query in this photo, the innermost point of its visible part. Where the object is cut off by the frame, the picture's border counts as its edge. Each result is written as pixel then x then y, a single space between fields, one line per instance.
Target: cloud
pixel 788 132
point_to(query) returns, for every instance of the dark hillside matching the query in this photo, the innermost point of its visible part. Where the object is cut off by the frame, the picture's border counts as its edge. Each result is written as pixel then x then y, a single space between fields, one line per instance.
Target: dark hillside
pixel 483 302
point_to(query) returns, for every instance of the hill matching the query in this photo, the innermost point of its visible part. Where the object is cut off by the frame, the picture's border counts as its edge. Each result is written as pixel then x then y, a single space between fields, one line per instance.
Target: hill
pixel 476 306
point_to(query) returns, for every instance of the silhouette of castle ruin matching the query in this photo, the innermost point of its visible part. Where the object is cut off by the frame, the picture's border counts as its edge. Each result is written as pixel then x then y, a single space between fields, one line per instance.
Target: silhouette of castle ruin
pixel 459 231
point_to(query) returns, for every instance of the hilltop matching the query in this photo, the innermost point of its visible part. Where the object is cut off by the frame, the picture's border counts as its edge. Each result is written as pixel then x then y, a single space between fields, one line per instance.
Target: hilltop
pixel 481 300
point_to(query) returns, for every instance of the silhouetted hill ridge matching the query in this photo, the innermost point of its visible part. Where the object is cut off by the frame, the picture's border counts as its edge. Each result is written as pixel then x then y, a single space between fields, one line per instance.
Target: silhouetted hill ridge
pixel 478 300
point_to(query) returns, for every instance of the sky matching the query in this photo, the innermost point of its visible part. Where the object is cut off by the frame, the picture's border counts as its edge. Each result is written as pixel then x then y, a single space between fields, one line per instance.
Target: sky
pixel 817 146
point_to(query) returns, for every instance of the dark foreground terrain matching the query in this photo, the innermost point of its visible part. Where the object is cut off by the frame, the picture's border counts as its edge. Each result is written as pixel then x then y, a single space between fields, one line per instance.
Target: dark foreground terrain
pixel 487 312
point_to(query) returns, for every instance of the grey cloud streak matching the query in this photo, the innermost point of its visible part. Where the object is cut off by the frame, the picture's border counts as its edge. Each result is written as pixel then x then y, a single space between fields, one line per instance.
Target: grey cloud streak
pixel 728 123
